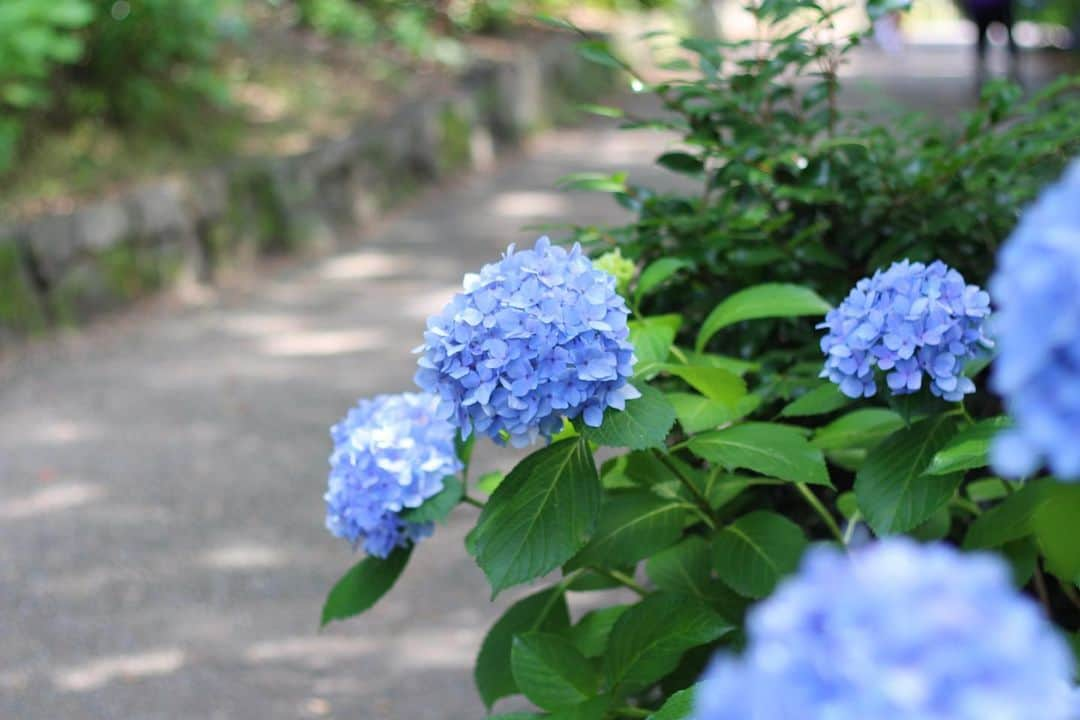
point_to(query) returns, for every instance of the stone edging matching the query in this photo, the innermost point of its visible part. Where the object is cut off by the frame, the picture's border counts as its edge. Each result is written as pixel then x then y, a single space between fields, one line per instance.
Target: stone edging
pixel 64 269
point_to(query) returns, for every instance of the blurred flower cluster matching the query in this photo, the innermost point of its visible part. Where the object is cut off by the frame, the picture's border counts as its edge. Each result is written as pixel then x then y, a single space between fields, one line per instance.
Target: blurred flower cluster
pixel 899 631
pixel 390 453
pixel 1037 288
pixel 908 320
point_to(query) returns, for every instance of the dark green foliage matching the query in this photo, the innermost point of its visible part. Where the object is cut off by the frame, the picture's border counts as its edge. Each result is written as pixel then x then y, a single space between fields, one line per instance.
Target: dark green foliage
pixel 792 188
pixel 36 36
pixel 146 61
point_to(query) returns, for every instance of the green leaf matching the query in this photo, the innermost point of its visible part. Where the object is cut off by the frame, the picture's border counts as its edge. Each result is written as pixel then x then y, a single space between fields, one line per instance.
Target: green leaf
pixel 733 365
pixel 1023 555
pixel 771 300
pixel 68 14
pixel 935 528
pixel 893 494
pixel 822 399
pixel 652 339
pixel 680 162
pixel 712 382
pixel 363 585
pixel 437 508
pixel 860 428
pixel 1010 520
pixel 597 51
pixel 643 424
pixel 754 552
pixel 679 706
pixel 594 709
pixel 463 448
pixel 542 513
pixel 969 448
pixel 916 406
pixel 632 525
pixel 990 488
pixel 1055 524
pixel 686 569
pixel 696 412
pixel 768 448
pixel 720 488
pixel 602 110
pixel 594 181
pixel 589 581
pixel 650 638
pixel 545 610
pixel 590 635
pixel 551 672
pixel 656 273
pixel 489 481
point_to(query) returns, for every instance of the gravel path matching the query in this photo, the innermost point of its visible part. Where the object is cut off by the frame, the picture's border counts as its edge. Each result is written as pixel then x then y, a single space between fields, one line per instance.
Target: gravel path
pixel 161 545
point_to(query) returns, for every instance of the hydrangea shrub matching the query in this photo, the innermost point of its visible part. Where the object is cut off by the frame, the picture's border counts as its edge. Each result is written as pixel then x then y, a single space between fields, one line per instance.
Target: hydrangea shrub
pixel 734 473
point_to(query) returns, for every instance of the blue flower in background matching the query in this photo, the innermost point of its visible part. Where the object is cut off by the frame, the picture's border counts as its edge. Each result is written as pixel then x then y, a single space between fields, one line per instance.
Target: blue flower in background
pixel 912 320
pixel 897 631
pixel 1037 287
pixel 390 453
pixel 535 337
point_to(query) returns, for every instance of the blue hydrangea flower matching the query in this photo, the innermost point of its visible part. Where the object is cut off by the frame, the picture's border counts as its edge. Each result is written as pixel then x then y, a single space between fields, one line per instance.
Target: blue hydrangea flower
pixel 910 320
pixel 535 337
pixel 898 631
pixel 390 453
pixel 1037 287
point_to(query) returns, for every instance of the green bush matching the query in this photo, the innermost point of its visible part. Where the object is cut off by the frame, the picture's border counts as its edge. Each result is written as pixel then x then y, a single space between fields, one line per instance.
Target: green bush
pixel 147 61
pixel 340 18
pixel 791 188
pixel 35 37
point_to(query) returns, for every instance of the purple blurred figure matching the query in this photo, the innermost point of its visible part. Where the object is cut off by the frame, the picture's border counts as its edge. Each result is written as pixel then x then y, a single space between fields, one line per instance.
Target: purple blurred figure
pixel 985 13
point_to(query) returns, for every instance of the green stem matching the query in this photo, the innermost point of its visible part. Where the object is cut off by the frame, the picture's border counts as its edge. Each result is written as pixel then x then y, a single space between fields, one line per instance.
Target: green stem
pixel 1040 590
pixel 621 578
pixel 966 504
pixel 813 501
pixel 469 500
pixel 701 500
pixel 1070 592
pixel 855 518
pixel 632 712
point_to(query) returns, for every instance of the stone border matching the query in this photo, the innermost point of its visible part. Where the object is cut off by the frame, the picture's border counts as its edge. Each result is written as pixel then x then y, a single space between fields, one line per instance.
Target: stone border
pixel 64 269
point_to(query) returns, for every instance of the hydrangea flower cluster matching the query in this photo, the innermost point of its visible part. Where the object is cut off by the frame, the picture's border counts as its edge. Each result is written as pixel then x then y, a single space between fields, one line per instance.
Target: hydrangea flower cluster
pixel 1038 368
pixel 536 337
pixel 390 453
pixel 908 320
pixel 898 631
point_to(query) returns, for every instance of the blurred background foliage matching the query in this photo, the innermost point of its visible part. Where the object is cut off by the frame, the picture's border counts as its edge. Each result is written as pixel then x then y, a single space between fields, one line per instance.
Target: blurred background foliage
pixel 145 84
pixel 97 92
